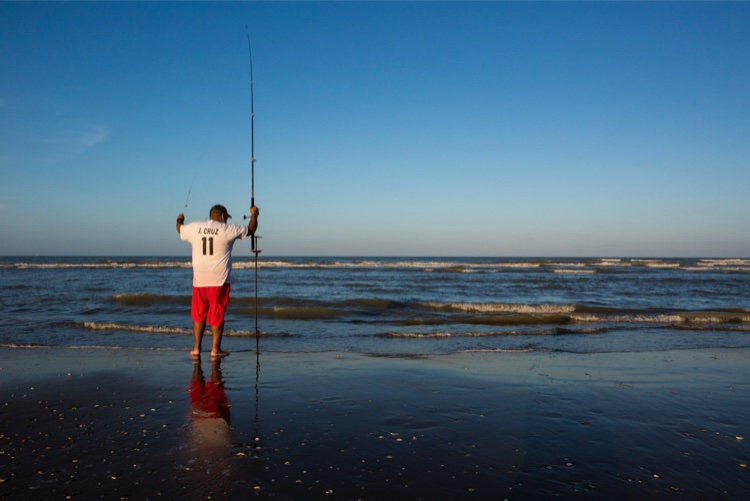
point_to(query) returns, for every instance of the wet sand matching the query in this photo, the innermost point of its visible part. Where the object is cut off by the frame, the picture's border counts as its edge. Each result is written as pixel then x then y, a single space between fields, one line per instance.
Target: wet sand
pixel 139 424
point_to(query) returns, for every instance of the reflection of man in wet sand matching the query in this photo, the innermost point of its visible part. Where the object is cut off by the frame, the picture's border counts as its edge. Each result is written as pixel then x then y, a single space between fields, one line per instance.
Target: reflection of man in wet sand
pixel 209 413
pixel 211 469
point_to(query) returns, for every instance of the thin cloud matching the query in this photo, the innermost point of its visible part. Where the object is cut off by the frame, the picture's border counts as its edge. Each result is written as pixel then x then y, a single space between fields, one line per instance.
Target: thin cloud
pixel 81 140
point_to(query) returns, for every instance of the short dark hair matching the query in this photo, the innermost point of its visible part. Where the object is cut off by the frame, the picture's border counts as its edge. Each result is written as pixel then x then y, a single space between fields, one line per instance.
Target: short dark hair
pixel 219 209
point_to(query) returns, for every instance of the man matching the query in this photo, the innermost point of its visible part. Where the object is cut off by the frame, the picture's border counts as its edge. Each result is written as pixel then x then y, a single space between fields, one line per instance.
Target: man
pixel 212 243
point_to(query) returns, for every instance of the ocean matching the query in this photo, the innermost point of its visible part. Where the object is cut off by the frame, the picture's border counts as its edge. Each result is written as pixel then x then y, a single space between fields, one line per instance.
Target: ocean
pixel 401 307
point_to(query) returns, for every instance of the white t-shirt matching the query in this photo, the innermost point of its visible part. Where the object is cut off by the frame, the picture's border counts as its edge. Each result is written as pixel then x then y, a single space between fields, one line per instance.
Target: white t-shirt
pixel 212 243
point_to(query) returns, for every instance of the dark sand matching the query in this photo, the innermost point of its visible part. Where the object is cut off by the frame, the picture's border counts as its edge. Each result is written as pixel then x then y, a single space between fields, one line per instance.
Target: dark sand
pixel 119 424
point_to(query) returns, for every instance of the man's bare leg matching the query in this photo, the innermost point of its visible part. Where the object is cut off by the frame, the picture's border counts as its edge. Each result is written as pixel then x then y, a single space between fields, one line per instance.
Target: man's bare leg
pixel 198 328
pixel 217 333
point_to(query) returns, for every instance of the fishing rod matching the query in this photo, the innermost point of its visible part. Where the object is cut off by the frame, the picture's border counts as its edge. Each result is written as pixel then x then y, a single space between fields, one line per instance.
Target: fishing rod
pixel 188 196
pixel 253 238
pixel 252 127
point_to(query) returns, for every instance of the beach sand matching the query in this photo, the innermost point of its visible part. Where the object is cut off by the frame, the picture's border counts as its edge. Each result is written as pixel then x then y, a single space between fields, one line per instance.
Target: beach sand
pixel 143 424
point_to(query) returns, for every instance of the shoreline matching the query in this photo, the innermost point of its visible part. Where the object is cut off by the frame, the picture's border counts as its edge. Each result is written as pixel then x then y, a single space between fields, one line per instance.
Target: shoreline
pixel 123 423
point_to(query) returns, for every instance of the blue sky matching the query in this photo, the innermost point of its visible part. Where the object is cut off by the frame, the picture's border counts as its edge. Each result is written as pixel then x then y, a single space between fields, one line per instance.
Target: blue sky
pixel 402 129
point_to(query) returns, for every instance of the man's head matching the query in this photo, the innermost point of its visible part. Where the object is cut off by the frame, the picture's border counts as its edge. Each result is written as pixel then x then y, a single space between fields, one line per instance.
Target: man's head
pixel 219 213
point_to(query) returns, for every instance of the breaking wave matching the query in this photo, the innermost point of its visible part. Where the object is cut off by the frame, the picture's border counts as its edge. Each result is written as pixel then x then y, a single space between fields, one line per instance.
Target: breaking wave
pixel 571 266
pixel 152 329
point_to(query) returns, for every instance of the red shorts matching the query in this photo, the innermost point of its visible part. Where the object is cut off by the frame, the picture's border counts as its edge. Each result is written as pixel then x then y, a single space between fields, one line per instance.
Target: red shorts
pixel 210 303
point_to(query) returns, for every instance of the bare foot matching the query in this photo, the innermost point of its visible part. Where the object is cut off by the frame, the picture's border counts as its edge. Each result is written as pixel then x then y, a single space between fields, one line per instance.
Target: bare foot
pixel 219 354
pixel 195 354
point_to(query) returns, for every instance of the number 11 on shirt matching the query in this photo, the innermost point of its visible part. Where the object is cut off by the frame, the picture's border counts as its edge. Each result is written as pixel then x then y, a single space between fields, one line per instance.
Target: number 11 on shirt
pixel 210 245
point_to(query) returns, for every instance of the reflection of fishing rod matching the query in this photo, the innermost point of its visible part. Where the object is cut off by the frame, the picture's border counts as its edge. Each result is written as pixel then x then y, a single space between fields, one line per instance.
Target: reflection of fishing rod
pixel 253 238
pixel 257 399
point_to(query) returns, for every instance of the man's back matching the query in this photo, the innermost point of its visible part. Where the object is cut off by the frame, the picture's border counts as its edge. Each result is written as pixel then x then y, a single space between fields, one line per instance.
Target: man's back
pixel 212 243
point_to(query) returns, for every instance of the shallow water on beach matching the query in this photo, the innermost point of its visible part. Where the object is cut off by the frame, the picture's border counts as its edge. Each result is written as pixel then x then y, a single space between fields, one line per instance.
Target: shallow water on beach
pixel 386 306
